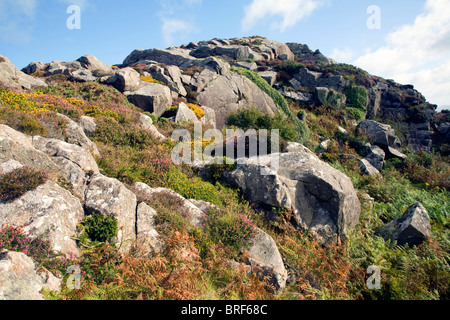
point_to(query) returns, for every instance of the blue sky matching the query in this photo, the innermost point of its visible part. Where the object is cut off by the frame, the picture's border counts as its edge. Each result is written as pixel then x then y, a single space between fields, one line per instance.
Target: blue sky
pixel 412 45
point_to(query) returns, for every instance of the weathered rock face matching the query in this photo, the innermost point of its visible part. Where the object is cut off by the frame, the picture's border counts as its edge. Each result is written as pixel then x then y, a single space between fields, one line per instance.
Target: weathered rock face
pixel 148 238
pixel 170 76
pixel 151 97
pixel 375 155
pixel 88 125
pixel 412 227
pixel 110 197
pixel 322 198
pixel 234 92
pixel 12 77
pixel 18 146
pixel 59 67
pixel 185 208
pixel 264 254
pixel 185 114
pixel 71 152
pixel 390 100
pixel 48 211
pixel 19 279
pixel 74 162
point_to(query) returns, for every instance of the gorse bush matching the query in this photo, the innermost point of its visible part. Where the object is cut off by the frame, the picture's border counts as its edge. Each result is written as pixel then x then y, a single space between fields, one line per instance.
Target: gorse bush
pixel 19 181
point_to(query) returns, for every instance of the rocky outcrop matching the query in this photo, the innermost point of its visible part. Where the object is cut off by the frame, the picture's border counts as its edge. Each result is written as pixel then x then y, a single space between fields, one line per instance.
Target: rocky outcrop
pixel 19 279
pixel 48 211
pixel 322 198
pixel 382 135
pixel 12 77
pixel 412 227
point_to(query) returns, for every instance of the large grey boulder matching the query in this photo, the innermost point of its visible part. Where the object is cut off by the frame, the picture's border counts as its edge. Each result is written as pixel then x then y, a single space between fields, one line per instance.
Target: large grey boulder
pixel 91 63
pixel 125 80
pixel 19 147
pixel 19 279
pixel 233 92
pixel 264 254
pixel 412 227
pixel 12 77
pixel 367 168
pixel 274 49
pixel 322 198
pixel 151 97
pixel 48 211
pixel 111 198
pixel 175 56
pixel 380 134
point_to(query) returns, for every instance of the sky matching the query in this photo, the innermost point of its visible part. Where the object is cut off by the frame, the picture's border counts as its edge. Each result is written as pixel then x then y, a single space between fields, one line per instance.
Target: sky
pixel 404 40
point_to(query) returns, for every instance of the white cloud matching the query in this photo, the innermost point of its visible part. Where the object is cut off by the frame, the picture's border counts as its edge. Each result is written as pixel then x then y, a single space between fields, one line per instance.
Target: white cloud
pixel 417 53
pixel 16 17
pixel 344 55
pixel 176 17
pixel 173 27
pixel 289 11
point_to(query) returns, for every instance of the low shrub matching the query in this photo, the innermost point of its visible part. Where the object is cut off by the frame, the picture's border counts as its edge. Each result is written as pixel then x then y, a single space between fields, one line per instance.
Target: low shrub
pixel 99 228
pixel 16 183
pixel 232 229
pixel 256 119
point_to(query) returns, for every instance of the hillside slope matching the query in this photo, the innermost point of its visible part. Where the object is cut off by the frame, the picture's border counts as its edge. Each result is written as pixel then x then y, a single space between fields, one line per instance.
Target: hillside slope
pixel 88 180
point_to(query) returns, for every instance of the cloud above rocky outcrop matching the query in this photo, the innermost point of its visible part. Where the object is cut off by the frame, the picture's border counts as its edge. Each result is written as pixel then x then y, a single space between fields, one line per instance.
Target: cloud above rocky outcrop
pixel 417 53
pixel 284 14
